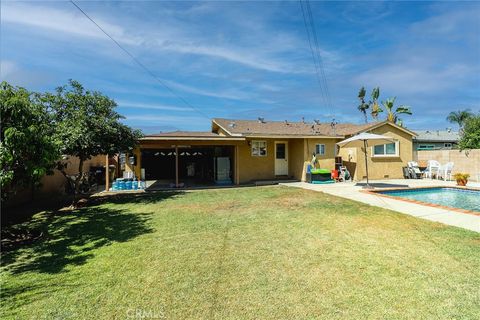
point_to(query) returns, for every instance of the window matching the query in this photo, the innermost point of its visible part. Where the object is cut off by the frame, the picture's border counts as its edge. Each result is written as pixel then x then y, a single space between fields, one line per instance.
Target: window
pixel 320 149
pixel 386 150
pixel 425 147
pixel 447 145
pixel 259 148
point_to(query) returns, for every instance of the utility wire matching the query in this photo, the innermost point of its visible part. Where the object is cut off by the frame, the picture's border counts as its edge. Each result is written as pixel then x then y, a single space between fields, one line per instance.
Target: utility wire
pixel 315 62
pixel 139 63
pixel 320 60
pixel 316 54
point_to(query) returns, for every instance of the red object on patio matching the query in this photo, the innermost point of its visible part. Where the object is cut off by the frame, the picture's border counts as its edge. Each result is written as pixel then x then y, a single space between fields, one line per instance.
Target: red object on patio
pixel 335 175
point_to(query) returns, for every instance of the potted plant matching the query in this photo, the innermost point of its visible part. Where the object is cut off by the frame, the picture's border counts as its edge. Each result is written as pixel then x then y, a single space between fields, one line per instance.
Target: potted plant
pixel 461 178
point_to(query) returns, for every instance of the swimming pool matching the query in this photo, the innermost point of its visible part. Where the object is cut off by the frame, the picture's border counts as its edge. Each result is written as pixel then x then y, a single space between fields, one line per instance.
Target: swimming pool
pixel 448 197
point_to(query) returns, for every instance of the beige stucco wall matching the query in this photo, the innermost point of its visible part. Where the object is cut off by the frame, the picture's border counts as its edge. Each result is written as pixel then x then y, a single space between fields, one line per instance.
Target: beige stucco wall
pixel 386 167
pixel 300 150
pixel 53 186
pixel 463 161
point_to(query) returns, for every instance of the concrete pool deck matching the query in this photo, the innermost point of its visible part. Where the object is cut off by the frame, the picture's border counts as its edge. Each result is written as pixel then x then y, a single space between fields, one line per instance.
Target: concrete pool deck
pixel 353 191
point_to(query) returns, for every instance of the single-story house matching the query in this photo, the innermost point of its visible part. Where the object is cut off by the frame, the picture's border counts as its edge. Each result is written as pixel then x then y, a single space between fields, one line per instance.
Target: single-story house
pixel 436 139
pixel 242 151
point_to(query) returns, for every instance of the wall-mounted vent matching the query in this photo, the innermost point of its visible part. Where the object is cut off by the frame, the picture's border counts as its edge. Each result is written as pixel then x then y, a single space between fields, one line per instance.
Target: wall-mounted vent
pixel 386 176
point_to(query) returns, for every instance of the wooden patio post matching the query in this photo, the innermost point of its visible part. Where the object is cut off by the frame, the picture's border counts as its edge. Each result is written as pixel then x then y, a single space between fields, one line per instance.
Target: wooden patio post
pixel 176 167
pixel 107 174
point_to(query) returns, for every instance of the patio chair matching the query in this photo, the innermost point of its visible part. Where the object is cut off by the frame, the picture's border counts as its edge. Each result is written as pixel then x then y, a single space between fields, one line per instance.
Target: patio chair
pixel 432 169
pixel 445 172
pixel 413 169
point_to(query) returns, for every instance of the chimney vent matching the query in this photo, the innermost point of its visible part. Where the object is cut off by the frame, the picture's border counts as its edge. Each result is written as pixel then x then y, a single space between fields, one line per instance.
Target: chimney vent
pixel 316 121
pixel 303 119
pixel 261 120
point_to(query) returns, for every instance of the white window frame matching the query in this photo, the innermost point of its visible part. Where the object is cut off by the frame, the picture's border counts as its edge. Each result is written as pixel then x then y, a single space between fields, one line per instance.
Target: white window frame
pixel 318 148
pixel 255 144
pixel 384 155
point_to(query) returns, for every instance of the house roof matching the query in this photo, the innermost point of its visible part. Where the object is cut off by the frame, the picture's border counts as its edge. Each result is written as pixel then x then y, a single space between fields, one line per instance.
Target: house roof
pixel 437 135
pixel 188 135
pixel 240 129
pixel 287 128
pixel 184 134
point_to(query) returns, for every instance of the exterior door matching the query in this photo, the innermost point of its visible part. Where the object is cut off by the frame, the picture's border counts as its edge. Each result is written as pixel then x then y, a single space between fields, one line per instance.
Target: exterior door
pixel 281 158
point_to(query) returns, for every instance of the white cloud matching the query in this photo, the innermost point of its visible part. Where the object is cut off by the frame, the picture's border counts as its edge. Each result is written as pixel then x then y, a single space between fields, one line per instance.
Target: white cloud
pixel 136 105
pixel 7 68
pixel 169 38
pixel 218 93
pixel 63 21
pixel 171 120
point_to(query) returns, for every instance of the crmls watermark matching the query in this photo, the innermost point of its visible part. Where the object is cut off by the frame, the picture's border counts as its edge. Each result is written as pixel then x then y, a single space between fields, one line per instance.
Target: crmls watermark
pixel 138 313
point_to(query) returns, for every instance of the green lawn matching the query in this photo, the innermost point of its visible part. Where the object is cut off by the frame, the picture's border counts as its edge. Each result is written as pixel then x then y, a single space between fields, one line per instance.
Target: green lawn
pixel 249 253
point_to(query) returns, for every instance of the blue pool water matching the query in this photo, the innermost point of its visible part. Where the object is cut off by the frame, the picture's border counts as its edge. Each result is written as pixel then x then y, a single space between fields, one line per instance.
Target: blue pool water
pixel 449 197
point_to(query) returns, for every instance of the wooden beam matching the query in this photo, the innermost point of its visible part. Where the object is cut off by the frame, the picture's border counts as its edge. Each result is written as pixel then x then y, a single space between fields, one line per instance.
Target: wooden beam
pixel 176 167
pixel 107 174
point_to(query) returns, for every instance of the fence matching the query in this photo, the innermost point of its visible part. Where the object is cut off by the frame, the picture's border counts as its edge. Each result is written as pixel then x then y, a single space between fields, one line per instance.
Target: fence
pixel 464 161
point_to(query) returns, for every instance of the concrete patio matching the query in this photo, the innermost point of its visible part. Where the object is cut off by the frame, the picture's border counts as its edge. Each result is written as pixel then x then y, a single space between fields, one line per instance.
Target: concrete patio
pixel 352 191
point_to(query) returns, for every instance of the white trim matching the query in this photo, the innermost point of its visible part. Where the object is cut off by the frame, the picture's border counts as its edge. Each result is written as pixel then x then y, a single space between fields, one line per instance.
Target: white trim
pixel 258 155
pixel 396 155
pixel 324 149
pixel 276 166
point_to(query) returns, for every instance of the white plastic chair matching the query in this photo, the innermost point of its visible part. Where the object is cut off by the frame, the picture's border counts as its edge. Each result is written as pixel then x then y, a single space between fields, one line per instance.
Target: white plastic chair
pixel 414 170
pixel 433 167
pixel 445 172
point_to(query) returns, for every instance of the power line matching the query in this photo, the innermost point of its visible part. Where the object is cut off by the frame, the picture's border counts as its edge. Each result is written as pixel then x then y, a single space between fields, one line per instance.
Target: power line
pixel 315 50
pixel 315 63
pixel 141 64
pixel 320 60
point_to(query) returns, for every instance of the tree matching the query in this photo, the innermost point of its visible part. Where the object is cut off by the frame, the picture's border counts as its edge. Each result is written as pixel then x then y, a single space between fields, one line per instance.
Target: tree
pixel 470 136
pixel 363 106
pixel 459 117
pixel 28 149
pixel 392 112
pixel 87 125
pixel 376 110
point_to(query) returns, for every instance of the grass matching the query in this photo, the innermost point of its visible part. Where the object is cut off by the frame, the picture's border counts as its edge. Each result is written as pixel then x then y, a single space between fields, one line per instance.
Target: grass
pixel 250 253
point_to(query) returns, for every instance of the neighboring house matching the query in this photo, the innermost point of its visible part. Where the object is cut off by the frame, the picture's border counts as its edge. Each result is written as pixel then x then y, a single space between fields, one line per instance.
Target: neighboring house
pixel 242 151
pixel 436 140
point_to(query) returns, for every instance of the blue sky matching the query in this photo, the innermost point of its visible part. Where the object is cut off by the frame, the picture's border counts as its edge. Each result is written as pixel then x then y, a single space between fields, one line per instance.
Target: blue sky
pixel 249 59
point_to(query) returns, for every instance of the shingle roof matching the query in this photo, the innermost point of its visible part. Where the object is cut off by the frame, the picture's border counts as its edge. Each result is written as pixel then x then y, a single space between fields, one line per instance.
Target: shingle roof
pixel 208 134
pixel 255 127
pixel 437 135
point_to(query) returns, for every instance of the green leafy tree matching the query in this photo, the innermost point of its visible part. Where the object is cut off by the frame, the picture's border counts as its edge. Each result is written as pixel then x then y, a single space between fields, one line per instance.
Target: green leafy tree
pixel 87 125
pixel 393 112
pixel 28 149
pixel 375 106
pixel 459 117
pixel 470 136
pixel 363 106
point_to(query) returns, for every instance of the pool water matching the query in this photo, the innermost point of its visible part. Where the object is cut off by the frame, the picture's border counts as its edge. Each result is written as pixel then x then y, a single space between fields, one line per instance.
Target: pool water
pixel 449 197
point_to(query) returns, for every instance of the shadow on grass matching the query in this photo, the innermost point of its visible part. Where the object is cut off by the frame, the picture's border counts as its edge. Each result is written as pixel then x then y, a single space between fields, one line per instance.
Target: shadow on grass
pixel 71 237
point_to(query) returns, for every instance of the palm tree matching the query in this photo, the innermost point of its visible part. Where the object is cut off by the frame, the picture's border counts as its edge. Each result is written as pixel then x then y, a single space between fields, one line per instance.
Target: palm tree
pixel 392 114
pixel 459 117
pixel 374 103
pixel 363 107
